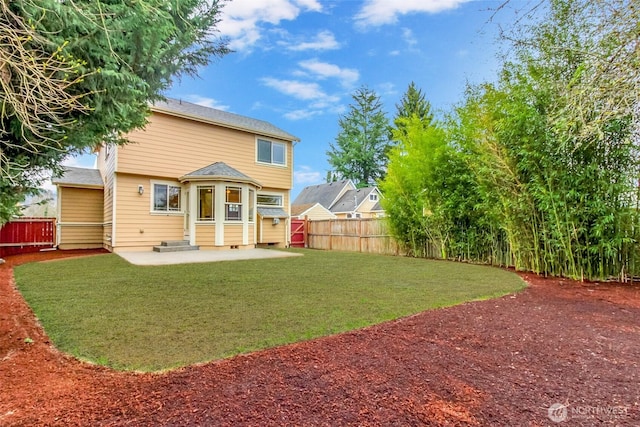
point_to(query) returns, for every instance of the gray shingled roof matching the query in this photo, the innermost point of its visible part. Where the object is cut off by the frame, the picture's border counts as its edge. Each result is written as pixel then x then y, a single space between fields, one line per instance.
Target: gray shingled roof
pixel 351 200
pixel 219 171
pixel 325 194
pixel 222 118
pixel 79 177
pixel 272 213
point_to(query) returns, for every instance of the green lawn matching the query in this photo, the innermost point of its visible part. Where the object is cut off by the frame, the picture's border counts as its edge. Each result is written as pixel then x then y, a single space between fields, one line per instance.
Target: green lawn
pixel 107 311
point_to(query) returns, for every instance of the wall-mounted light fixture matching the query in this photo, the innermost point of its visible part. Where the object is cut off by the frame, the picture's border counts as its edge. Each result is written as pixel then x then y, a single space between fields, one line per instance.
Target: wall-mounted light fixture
pixel 276 221
pixel 140 190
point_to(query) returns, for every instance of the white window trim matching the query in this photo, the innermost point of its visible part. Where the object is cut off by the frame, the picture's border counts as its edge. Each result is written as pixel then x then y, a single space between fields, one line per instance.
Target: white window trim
pixel 373 197
pixel 197 217
pixel 242 205
pixel 152 193
pixel 284 165
pixel 270 193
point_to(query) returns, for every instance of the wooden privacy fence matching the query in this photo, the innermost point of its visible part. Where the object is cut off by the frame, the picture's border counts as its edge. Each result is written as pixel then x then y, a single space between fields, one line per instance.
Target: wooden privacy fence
pixel 27 235
pixel 356 235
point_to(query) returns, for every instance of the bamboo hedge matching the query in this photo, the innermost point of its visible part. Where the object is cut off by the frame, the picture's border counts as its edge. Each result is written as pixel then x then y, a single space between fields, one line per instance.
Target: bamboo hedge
pixel 512 178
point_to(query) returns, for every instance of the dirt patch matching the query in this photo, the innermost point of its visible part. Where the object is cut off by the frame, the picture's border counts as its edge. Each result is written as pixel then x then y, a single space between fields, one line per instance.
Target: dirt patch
pixel 498 362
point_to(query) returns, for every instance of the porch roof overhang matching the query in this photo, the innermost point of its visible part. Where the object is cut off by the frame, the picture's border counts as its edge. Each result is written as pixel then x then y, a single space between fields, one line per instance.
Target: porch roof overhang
pixel 272 213
pixel 219 171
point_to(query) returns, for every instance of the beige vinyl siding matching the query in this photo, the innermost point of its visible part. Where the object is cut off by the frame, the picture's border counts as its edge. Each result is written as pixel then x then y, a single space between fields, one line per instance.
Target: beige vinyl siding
pixel 172 147
pixel 136 227
pixel 252 235
pixel 106 166
pixel 80 205
pixel 273 233
pixel 365 208
pixel 233 235
pixel 206 235
pixel 317 212
pixel 80 218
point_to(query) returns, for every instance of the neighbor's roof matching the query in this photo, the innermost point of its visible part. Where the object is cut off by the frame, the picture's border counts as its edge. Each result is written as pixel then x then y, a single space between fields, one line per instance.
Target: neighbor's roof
pixel 298 209
pixel 219 171
pixel 188 110
pixel 352 199
pixel 272 213
pixel 79 177
pixel 325 194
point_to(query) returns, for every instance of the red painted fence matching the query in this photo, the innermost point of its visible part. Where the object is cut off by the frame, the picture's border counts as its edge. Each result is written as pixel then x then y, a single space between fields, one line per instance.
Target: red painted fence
pixel 298 233
pixel 27 235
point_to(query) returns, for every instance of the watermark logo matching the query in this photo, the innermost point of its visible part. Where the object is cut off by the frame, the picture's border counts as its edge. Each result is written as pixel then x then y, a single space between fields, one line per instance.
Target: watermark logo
pixel 557 412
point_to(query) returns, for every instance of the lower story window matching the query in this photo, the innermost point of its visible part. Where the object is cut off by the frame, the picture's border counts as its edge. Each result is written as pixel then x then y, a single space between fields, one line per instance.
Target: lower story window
pixel 251 205
pixel 166 198
pixel 206 204
pixel 233 204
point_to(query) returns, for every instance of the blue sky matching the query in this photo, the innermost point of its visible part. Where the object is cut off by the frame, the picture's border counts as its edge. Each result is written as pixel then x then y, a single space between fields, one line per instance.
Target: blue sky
pixel 297 63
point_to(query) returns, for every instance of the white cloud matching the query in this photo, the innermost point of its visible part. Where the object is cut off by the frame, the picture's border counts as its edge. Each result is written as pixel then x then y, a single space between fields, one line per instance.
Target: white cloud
pixel 306 91
pixel 387 88
pixel 381 12
pixel 305 175
pixel 242 20
pixel 301 114
pixel 323 70
pixel 324 40
pixel 206 102
pixel 407 35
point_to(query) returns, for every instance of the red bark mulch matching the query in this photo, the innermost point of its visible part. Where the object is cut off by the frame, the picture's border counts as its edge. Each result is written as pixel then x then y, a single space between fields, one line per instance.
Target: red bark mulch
pixel 498 362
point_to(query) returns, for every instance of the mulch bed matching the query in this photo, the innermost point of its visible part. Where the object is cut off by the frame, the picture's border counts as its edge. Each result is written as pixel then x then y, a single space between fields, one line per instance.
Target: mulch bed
pixel 498 362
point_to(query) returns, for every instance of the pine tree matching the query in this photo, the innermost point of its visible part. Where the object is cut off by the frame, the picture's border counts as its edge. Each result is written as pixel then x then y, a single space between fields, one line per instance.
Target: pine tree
pixel 360 149
pixel 76 74
pixel 413 103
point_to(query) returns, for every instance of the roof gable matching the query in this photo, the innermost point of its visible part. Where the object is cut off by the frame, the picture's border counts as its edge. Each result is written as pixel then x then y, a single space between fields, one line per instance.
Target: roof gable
pixel 222 118
pixel 325 194
pixel 352 199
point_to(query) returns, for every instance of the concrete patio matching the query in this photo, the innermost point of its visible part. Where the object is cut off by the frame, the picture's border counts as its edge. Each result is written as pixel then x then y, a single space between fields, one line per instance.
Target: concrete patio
pixel 167 258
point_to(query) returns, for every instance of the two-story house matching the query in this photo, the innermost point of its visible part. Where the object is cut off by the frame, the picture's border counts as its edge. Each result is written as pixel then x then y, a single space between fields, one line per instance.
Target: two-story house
pixel 215 179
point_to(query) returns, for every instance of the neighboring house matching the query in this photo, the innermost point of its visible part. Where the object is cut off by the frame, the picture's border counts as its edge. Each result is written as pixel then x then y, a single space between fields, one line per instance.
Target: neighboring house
pixel 339 199
pixel 216 179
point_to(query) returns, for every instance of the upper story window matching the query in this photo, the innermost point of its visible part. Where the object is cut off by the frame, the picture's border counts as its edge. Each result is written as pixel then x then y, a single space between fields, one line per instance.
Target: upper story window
pixel 233 204
pixel 373 197
pixel 271 152
pixel 206 203
pixel 166 197
pixel 270 200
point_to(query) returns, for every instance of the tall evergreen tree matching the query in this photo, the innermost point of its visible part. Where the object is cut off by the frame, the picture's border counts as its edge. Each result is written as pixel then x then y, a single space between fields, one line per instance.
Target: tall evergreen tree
pixel 74 74
pixel 413 103
pixel 360 150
